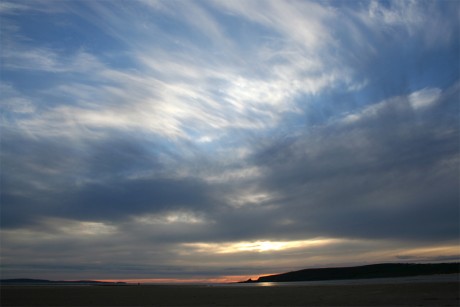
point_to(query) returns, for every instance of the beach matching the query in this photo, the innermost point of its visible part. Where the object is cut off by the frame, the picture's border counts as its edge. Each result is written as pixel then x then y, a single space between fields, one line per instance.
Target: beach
pixel 385 294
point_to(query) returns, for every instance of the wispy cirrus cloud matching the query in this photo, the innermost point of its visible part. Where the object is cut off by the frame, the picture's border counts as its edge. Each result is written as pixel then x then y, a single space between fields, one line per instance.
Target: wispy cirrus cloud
pixel 418 100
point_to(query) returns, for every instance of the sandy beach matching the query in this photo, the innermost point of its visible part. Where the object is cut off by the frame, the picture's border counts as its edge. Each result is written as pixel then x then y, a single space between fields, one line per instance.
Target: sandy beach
pixel 406 294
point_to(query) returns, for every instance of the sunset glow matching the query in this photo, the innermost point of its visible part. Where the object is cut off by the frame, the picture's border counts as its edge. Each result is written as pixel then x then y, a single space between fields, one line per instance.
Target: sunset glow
pixel 257 246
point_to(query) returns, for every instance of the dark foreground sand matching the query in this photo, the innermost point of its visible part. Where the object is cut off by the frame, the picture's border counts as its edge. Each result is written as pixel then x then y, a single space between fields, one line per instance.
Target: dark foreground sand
pixel 407 294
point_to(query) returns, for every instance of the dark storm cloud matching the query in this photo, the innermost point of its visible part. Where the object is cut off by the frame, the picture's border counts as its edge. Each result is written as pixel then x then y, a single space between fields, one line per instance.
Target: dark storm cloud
pixel 391 175
pixel 88 180
pixel 115 199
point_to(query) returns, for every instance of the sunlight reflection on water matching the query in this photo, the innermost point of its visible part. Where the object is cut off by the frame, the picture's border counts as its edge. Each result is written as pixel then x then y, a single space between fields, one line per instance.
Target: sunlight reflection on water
pixel 267 284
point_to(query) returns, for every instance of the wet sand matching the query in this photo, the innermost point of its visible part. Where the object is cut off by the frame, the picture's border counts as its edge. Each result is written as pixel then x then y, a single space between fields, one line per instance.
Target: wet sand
pixel 407 294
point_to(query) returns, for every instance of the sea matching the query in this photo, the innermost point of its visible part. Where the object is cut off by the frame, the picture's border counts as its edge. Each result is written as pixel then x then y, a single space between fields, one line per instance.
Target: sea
pixel 371 281
pixel 444 278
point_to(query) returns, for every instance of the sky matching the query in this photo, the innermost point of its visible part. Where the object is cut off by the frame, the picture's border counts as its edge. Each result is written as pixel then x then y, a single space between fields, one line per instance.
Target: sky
pixel 221 140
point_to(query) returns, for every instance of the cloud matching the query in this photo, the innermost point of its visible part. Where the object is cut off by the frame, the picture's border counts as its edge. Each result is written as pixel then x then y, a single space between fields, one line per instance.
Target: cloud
pixel 413 17
pixel 417 100
pixel 13 101
pixel 424 98
pixel 342 179
pixel 301 22
pixel 192 95
pixel 17 7
pixel 11 7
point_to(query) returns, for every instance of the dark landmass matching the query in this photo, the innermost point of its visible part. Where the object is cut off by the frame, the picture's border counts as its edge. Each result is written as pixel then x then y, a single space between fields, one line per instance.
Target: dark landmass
pixel 29 281
pixel 384 270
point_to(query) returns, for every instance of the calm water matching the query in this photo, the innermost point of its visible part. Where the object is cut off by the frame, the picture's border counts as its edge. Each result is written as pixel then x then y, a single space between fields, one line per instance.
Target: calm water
pixel 371 281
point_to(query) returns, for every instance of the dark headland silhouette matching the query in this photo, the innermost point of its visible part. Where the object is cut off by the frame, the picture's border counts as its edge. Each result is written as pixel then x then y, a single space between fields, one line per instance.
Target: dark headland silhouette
pixel 383 270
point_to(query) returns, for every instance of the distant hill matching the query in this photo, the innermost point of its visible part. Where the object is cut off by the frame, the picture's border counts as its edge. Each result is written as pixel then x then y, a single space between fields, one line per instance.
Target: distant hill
pixel 362 272
pixel 29 281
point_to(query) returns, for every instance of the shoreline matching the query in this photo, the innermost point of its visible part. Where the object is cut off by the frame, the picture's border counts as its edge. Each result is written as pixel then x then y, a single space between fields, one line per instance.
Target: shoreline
pixel 384 294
